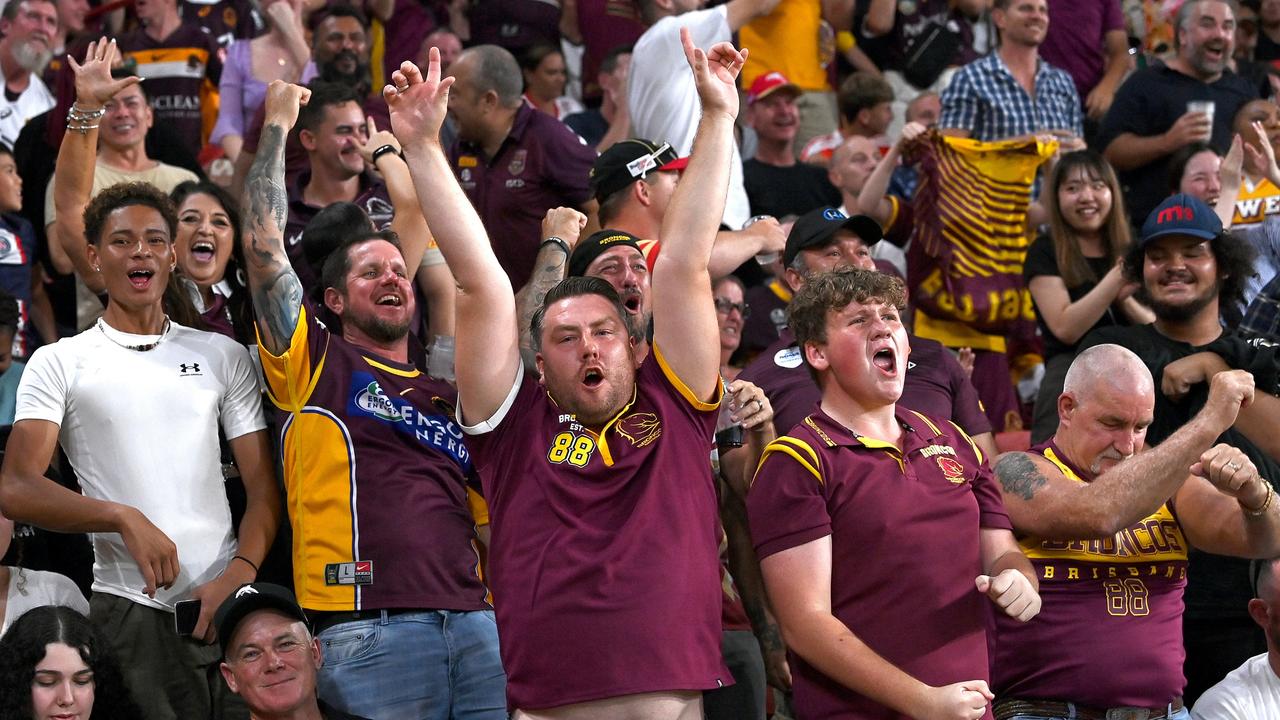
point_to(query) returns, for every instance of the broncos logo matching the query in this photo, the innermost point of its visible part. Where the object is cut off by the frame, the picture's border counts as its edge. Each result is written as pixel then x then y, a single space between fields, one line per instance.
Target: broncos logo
pixel 640 428
pixel 952 469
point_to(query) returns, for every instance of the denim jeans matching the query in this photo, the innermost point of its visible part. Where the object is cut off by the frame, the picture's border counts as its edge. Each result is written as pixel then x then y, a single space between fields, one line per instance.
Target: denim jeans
pixel 426 665
pixel 1183 714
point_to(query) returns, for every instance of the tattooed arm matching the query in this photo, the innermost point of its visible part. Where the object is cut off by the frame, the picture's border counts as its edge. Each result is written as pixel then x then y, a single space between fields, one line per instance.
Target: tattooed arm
pixel 549 268
pixel 276 291
pixel 1041 501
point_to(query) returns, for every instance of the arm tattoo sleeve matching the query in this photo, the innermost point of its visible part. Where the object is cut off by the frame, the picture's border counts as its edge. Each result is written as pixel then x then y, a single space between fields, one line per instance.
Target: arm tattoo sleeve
pixel 276 291
pixel 550 268
pixel 1019 476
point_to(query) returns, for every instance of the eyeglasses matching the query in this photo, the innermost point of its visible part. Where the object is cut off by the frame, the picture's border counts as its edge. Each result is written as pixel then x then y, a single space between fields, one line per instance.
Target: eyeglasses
pixel 726 306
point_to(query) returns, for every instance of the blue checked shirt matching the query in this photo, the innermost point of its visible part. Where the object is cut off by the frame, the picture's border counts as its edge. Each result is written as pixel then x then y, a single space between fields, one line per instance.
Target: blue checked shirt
pixel 985 99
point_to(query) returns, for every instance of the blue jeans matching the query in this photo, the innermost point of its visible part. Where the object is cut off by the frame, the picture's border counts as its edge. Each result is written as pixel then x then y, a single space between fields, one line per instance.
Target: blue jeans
pixel 427 665
pixel 1183 714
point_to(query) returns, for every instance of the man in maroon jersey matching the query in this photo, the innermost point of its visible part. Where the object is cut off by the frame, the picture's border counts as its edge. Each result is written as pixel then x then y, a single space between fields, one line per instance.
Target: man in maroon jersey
pixel 1108 529
pixel 601 498
pixel 824 240
pixel 879 528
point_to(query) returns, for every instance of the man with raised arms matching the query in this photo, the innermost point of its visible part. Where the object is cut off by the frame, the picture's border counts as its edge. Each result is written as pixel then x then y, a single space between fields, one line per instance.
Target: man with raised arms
pixel 601 497
pixel 1108 529
pixel 880 528
pixel 376 473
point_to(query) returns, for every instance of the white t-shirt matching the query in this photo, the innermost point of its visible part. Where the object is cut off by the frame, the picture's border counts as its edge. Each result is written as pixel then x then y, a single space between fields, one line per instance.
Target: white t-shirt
pixel 36 99
pixel 141 429
pixel 30 589
pixel 1250 692
pixel 664 101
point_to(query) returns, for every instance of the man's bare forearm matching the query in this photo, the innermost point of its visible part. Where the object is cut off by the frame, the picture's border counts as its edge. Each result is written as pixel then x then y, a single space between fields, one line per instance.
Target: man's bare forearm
pixel 276 290
pixel 549 268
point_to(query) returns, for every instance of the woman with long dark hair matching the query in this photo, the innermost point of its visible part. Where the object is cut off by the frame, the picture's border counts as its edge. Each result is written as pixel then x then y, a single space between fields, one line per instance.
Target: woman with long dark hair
pixel 1074 271
pixel 55 663
pixel 207 245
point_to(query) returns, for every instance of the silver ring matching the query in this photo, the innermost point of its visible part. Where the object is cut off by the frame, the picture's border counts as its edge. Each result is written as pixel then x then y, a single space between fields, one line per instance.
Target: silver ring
pixel 1233 465
pixel 402 90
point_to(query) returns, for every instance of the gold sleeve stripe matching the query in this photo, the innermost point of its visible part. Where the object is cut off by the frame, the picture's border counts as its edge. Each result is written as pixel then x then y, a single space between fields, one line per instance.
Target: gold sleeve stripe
pixel 683 389
pixel 928 422
pixel 799 450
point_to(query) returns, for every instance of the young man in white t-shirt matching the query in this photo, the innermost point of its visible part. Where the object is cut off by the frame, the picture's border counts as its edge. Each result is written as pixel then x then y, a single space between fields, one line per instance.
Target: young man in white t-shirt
pixel 136 402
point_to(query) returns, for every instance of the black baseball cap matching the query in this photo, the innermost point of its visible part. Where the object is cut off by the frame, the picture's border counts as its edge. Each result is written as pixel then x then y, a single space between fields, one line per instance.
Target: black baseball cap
pixel 594 245
pixel 1181 214
pixel 816 228
pixel 629 160
pixel 250 598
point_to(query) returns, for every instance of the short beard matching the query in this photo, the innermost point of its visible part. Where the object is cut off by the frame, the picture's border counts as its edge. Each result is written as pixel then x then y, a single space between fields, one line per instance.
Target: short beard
pixel 359 79
pixel 379 330
pixel 1180 313
pixel 31 59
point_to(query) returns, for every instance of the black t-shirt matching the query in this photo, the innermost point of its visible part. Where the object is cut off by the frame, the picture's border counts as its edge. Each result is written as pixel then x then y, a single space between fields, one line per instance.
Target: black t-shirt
pixel 1148 104
pixel 1217 586
pixel 1041 261
pixel 792 190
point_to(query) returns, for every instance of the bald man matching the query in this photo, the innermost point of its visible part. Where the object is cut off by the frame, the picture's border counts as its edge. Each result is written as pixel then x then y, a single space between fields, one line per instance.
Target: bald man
pixel 1097 519
pixel 1253 689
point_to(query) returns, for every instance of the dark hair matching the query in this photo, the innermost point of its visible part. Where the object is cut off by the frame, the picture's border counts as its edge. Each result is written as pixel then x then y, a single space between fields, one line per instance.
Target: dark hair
pixel 329 229
pixel 23 646
pixel 1235 266
pixel 533 57
pixel 333 273
pixel 829 292
pixel 127 195
pixel 1115 232
pixel 574 287
pixel 6 150
pixel 337 10
pixel 1179 159
pixel 239 302
pixel 323 95
pixel 862 91
pixel 496 70
pixel 609 62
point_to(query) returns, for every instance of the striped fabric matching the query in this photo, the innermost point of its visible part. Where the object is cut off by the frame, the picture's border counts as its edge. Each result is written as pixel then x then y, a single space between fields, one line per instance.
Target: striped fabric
pixel 985 99
pixel 970 236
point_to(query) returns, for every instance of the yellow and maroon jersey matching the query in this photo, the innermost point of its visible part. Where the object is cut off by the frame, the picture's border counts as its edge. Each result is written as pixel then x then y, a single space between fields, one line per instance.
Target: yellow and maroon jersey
pixel 904 527
pixel 1255 202
pixel 375 477
pixel 604 554
pixel 1109 633
pixel 181 79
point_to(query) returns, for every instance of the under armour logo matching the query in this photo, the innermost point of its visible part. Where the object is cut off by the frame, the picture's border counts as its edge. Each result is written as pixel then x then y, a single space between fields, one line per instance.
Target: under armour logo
pixel 246 590
pixel 193 368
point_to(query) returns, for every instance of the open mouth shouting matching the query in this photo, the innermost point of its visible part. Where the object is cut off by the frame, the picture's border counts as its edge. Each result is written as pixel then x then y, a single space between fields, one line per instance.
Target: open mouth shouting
pixel 203 251
pixel 390 299
pixel 592 377
pixel 886 360
pixel 140 278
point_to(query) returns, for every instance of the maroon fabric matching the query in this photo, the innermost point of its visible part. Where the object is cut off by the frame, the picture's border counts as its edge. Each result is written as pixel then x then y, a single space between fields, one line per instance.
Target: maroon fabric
pixel 175 101
pixel 768 318
pixel 904 554
pixel 994 383
pixel 411 22
pixel 606 576
pixel 372 198
pixel 542 164
pixel 1109 633
pixel 1075 41
pixel 605 25
pixel 514 24
pixel 935 385
pixel 226 20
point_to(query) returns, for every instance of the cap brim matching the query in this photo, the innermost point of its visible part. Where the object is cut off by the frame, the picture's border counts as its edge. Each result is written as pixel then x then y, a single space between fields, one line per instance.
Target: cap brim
pixel 1189 232
pixel 227 628
pixel 789 87
pixel 675 165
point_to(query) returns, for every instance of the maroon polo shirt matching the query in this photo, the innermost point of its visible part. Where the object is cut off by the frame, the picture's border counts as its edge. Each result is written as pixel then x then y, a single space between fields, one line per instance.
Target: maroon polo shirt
pixel 372 198
pixel 542 164
pixel 604 560
pixel 935 385
pixel 904 527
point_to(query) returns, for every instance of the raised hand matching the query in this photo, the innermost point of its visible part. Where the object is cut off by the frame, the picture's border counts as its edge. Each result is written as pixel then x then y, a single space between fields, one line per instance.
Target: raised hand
pixel 283 102
pixel 1232 473
pixel 564 223
pixel 418 104
pixel 376 139
pixel 715 74
pixel 94 84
